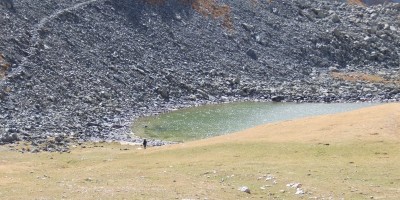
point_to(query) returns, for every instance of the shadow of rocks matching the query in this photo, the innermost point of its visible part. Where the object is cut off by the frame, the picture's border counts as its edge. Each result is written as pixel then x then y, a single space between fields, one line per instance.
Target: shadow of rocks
pixel 138 11
pixel 9 4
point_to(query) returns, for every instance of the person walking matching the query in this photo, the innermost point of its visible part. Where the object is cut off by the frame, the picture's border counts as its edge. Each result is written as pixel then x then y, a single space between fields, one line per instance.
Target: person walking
pixel 144 143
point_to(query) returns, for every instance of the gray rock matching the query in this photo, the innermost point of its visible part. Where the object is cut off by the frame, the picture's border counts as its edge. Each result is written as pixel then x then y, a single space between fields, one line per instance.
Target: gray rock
pixel 277 98
pixel 164 92
pixel 252 54
pixel 333 69
pixel 335 18
pixel 244 189
pixel 248 27
pixel 338 34
pixel 319 13
pixel 203 94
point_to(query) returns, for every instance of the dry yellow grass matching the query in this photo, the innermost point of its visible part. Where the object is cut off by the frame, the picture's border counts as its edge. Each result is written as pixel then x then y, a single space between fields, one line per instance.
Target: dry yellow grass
pixel 207 8
pixel 356 2
pixel 355 76
pixel 362 77
pixel 362 161
pixel 377 123
pixel 3 66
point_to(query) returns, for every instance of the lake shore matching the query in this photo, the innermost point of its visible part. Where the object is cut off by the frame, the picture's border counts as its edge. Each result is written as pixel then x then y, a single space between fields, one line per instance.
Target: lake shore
pixel 213 120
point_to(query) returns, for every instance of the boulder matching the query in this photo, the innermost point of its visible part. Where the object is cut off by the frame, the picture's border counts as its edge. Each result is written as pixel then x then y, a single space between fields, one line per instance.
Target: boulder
pixel 252 54
pixel 277 98
pixel 248 27
pixel 335 18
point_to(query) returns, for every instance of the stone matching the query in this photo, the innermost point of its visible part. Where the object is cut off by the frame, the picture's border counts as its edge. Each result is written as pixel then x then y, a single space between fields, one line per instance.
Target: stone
pixel 258 39
pixel 13 130
pixel 299 191
pixel 236 80
pixel 244 189
pixel 338 34
pixel 248 27
pixel 178 17
pixel 59 138
pixel 294 185
pixel 277 98
pixel 252 54
pixel 269 177
pixel 335 18
pixel 203 94
pixel 14 137
pixel 319 13
pixel 333 69
pixel 35 150
pixel 386 27
pixel 164 92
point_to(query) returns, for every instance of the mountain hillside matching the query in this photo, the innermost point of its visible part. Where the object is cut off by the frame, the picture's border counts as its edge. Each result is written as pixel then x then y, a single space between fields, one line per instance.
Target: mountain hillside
pixel 84 69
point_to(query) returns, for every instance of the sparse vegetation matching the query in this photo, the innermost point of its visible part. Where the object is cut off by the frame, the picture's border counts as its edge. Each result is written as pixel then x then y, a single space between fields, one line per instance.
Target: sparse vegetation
pixel 210 8
pixel 362 77
pixel 4 66
pixel 356 2
pixel 207 8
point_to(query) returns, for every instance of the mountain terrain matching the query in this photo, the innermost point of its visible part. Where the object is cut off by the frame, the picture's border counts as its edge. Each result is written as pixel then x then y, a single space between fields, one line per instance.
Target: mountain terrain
pixel 82 70
pixel 353 155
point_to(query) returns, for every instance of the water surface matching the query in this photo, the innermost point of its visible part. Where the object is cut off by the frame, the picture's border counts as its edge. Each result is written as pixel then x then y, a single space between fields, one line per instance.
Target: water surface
pixel 212 120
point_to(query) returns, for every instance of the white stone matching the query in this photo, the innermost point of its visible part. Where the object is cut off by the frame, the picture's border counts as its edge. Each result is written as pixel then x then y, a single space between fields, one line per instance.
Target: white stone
pixel 244 189
pixel 299 191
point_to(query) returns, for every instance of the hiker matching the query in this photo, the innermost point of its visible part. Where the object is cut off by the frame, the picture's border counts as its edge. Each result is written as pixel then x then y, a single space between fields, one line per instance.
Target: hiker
pixel 144 143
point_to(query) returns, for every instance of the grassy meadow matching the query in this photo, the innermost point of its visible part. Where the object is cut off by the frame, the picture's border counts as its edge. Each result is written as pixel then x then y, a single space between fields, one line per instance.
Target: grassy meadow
pixel 354 155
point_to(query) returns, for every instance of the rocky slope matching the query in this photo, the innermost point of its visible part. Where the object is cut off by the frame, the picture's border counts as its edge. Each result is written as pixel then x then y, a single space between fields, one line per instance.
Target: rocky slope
pixel 85 69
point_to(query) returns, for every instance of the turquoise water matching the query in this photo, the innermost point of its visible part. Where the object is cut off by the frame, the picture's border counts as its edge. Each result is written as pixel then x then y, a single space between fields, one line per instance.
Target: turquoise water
pixel 213 120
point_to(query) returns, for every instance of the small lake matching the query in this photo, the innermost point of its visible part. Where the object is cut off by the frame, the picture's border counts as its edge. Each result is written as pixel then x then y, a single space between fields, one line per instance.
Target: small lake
pixel 213 120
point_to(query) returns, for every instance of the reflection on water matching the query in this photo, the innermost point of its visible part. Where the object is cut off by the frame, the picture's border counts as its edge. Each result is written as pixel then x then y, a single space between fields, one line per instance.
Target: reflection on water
pixel 213 120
